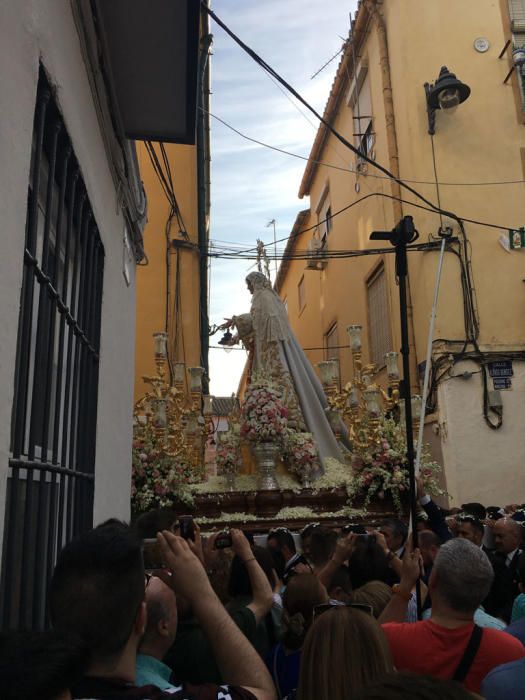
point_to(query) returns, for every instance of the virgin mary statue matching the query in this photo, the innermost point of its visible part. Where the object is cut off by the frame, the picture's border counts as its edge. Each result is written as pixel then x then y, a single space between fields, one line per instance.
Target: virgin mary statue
pixel 276 354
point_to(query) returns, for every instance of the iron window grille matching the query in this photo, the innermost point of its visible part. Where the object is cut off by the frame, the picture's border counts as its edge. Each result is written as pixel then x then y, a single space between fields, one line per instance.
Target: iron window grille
pixel 53 426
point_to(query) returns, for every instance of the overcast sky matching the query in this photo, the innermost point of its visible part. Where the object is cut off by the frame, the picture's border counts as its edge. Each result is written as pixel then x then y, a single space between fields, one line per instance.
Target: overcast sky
pixel 251 184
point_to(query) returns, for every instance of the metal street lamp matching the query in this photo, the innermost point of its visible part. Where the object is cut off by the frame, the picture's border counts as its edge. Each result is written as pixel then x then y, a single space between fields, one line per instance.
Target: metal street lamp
pixel 446 93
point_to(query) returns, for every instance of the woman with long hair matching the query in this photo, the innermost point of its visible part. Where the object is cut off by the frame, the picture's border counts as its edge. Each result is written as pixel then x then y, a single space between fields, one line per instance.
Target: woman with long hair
pixel 302 595
pixel 344 650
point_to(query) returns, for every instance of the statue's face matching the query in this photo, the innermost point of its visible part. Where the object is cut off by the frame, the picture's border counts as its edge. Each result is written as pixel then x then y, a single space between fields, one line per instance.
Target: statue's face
pixel 250 286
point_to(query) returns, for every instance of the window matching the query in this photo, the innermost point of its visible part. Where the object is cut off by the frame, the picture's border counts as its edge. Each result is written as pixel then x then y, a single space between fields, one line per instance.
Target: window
pixel 378 317
pixel 360 102
pixel 53 425
pixel 517 24
pixel 301 292
pixel 324 215
pixel 332 343
pixel 285 303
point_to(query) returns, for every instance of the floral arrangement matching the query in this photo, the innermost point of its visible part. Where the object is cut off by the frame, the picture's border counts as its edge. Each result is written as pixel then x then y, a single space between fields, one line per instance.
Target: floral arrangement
pixel 157 479
pixel 228 455
pixel 382 468
pixel 301 454
pixel 264 418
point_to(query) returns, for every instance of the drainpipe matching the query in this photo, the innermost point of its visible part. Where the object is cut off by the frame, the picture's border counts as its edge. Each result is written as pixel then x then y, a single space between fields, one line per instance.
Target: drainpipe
pixel 375 8
pixel 203 182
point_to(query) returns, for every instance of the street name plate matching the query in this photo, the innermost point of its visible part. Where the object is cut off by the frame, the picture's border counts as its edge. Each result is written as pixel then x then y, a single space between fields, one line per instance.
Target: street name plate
pixel 501 368
pixel 502 383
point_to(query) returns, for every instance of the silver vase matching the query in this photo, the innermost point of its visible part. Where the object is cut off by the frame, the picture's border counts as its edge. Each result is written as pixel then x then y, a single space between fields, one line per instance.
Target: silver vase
pixel 265 455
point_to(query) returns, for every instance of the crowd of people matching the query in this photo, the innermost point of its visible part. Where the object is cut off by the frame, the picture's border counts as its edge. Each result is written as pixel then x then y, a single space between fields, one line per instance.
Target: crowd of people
pixel 157 609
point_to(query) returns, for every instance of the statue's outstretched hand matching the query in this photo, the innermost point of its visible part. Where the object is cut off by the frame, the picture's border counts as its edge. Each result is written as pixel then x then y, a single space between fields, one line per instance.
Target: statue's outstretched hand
pixel 228 324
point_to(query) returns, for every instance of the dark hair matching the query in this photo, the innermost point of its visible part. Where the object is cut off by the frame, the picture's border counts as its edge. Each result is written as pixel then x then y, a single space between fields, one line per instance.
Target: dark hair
pixel 308 529
pixel 472 519
pixel 148 524
pixel 283 537
pixel 369 563
pixel 342 579
pixel 476 509
pixel 39 664
pixel 300 597
pixel 322 545
pixel 399 528
pixel 405 686
pixel 239 583
pixel 97 588
pixel 428 538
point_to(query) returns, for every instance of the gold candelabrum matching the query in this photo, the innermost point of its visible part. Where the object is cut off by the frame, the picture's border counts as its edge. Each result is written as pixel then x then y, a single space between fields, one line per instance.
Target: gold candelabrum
pixel 172 417
pixel 361 405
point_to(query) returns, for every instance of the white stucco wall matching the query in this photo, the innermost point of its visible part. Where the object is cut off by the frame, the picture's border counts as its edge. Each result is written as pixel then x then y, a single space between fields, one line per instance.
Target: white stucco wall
pixel 482 464
pixel 33 30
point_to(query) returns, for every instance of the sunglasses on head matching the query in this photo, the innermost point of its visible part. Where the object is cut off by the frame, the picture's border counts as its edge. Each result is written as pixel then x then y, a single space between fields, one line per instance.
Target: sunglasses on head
pixel 467 517
pixel 324 607
pixel 277 530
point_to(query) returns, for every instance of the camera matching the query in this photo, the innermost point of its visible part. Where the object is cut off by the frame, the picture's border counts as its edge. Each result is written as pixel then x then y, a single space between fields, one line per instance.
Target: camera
pixel 223 540
pixel 186 527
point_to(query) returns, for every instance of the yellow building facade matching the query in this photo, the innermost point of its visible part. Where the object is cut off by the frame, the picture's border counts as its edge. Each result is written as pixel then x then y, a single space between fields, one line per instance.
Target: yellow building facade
pixel 172 287
pixel 378 102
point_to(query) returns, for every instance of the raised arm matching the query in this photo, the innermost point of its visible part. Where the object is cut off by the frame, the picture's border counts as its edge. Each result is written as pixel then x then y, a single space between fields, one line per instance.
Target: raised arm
pixel 238 661
pixel 343 551
pixel 262 597
pixel 396 609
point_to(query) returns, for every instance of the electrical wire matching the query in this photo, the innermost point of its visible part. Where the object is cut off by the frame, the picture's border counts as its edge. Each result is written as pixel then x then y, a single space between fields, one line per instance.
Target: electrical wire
pixel 352 170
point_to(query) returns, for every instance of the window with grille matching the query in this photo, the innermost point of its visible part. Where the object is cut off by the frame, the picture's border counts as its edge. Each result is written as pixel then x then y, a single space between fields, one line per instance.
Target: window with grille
pixel 301 293
pixel 324 216
pixel 360 101
pixel 517 24
pixel 332 343
pixel 53 427
pixel 378 317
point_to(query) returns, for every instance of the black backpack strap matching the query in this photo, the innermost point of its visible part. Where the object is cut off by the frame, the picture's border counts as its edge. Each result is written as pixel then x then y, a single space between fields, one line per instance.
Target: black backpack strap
pixel 468 655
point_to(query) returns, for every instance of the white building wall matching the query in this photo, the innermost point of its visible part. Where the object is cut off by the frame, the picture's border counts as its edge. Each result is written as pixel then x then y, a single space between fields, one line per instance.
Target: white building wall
pixel 33 30
pixel 482 464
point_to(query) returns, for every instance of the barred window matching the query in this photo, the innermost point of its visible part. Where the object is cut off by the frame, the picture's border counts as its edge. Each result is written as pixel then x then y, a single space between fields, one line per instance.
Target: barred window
pixel 332 343
pixel 378 317
pixel 53 426
pixel 517 25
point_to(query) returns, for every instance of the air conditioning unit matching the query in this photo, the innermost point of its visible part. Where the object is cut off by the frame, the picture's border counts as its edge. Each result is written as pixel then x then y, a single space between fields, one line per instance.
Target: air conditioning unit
pixel 315 260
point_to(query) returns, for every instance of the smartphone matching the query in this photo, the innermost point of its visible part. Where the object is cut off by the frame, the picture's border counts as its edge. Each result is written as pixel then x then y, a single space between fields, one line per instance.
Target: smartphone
pixel 223 540
pixel 152 554
pixel 186 527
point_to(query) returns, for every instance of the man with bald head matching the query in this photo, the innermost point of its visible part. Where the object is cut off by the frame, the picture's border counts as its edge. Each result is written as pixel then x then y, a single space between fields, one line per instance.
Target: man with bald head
pixel 507 540
pixel 159 635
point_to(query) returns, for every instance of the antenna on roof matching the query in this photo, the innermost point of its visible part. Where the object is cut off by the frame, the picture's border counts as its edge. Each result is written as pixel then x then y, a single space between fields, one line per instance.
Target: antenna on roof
pixel 335 54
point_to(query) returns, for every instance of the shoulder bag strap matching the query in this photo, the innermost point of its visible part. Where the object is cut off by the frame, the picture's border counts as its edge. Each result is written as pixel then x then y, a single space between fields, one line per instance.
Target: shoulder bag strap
pixel 468 655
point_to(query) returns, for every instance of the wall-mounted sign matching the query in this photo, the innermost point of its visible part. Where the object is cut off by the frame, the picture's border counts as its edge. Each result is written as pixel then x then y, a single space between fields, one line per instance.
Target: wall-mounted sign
pixel 502 383
pixel 517 238
pixel 501 368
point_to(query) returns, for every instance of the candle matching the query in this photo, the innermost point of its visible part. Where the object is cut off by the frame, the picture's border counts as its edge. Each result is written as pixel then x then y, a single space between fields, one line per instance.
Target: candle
pixel 391 365
pixel 179 372
pixel 207 408
pixel 329 372
pixel 160 340
pixel 354 333
pixel 195 378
